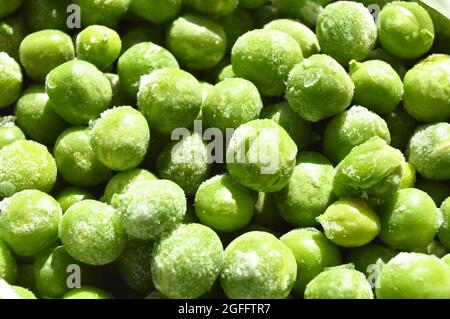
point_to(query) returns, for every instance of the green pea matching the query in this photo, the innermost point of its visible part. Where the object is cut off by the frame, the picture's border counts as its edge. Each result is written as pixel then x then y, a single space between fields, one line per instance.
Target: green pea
pixel 24 293
pixel 339 282
pixel 226 73
pixel 371 171
pixel 169 99
pixel 427 89
pixel 46 14
pixel 258 266
pixel 151 208
pixel 318 88
pixel 401 127
pixel 92 233
pixel 9 132
pixel 142 34
pixel 98 45
pixel 29 222
pixel 36 117
pixel 304 36
pixel 414 276
pixel 198 42
pixel 119 95
pixel 156 11
pixel 12 31
pixel 11 80
pixel 409 176
pixel 102 12
pixel 350 223
pixel 380 54
pixel 307 11
pixel 252 59
pixel 187 262
pixel 236 24
pixel 8 7
pixel 352 128
pixel 444 231
pixel 87 292
pixel 8 265
pixel 216 8
pixel 346 31
pixel 122 181
pixel 42 51
pixel 261 156
pixel 428 151
pixel 313 253
pixel 70 196
pixel 26 165
pixel 367 257
pixel 76 159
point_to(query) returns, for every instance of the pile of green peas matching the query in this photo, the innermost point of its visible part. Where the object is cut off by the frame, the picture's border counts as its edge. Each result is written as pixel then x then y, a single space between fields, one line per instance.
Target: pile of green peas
pixel 351 199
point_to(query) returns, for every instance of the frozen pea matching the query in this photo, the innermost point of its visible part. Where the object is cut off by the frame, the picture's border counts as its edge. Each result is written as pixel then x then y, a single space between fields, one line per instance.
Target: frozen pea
pixel 444 231
pixel 135 264
pixel 319 88
pixel 251 4
pixel 51 272
pixel 371 171
pixel 377 86
pixel 11 80
pixel 409 176
pixel 265 57
pixel 414 276
pixel 142 59
pixel 12 32
pixel 78 91
pixel 29 222
pixel 142 34
pixel 346 31
pixel 76 159
pixel 427 89
pixel 224 205
pixel 122 181
pixel 298 129
pixel 309 191
pixel 226 73
pixel 36 117
pixel 437 190
pixel 8 7
pixel 367 257
pixel 307 11
pixel 313 253
pixel 169 99
pixel 231 103
pixel 151 208
pixel 258 266
pixel 8 265
pixel 92 233
pixel 236 24
pixel 352 128
pixel 405 29
pixel 119 95
pixel 380 54
pixel 266 212
pixel 216 8
pixel 42 51
pixel 98 45
pixel 401 127
pixel 304 36
pixel 87 292
pixel 187 262
pixel 156 11
pixel 261 156
pixel 24 293
pixel 102 12
pixel 350 223
pixel 339 282
pixel 46 14
pixel 428 151
pixel 120 138
pixel 186 162
pixel 409 220
pixel 26 165
pixel 70 196
pixel 198 42
pixel 264 14
pixel 9 132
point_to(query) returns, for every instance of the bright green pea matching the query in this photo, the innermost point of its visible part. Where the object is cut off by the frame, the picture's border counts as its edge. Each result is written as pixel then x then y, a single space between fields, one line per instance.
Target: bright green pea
pixel 102 12
pixel 156 11
pixel 87 292
pixel 46 14
pixel 216 8
pixel 24 293
pixel 70 196
pixel 409 176
pixel 380 54
pixel 226 73
pixel 11 80
pixel 8 265
pixel 444 231
pixel 9 132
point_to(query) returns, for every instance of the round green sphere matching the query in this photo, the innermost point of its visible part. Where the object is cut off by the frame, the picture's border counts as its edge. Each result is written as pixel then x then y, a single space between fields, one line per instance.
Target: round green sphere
pixel 78 91
pixel 156 11
pixel 187 262
pixel 70 196
pixel 29 222
pixel 11 80
pixel 367 257
pixel 26 165
pixel 226 73
pixel 169 99
pixel 198 42
pixel 261 156
pixel 444 230
pixel 9 132
pixel 352 128
pixel 258 266
pixel 8 7
pixel 76 159
pixel 216 8
pixel 87 292
pixel 46 14
pixel 8 265
pixel 428 151
pixel 409 176
pixel 102 12
pixel 265 58
pixel 92 232
pixel 396 63
pixel 318 88
pixel 12 31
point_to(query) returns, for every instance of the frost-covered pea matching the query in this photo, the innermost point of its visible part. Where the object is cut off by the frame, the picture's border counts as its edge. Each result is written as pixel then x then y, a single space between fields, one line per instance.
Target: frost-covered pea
pixel 9 132
pixel 226 73
pixel 11 80
pixel 70 196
